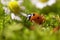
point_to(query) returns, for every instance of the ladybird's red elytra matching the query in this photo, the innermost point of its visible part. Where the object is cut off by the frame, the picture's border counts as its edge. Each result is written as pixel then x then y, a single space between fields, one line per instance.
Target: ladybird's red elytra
pixel 37 18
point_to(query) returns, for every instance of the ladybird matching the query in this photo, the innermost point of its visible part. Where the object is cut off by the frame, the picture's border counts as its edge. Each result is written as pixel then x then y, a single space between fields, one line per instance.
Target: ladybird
pixel 35 17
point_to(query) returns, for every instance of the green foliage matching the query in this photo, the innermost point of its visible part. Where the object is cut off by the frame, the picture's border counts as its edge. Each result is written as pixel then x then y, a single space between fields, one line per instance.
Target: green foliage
pixel 19 30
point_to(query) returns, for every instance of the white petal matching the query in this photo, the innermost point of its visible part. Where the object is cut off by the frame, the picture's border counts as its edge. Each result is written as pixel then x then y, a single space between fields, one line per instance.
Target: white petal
pixel 41 5
pixel 7 11
pixel 50 2
pixel 5 2
pixel 22 8
pixel 34 1
pixel 17 18
pixel 12 0
pixel 20 2
pixel 12 15
pixel 24 14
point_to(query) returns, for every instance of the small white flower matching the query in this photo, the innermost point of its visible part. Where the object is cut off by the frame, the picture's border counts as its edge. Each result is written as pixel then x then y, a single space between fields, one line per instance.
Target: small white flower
pixel 12 5
pixel 42 3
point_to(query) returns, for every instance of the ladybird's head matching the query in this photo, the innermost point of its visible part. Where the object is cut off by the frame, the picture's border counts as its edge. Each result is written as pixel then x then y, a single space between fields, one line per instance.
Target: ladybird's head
pixel 29 16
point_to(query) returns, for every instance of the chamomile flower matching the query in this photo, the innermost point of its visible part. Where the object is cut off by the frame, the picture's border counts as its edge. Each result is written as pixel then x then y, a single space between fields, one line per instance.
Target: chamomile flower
pixel 13 7
pixel 42 3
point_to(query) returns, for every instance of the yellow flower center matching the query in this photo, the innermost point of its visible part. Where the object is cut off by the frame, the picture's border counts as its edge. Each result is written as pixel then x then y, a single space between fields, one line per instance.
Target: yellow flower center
pixel 13 5
pixel 43 1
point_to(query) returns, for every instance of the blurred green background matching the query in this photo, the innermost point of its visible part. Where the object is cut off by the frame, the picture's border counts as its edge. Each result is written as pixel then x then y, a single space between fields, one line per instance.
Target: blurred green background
pixel 15 30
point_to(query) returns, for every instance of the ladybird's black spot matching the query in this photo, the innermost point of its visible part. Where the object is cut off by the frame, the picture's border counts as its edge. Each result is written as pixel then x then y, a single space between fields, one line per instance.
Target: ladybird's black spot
pixel 33 14
pixel 37 17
